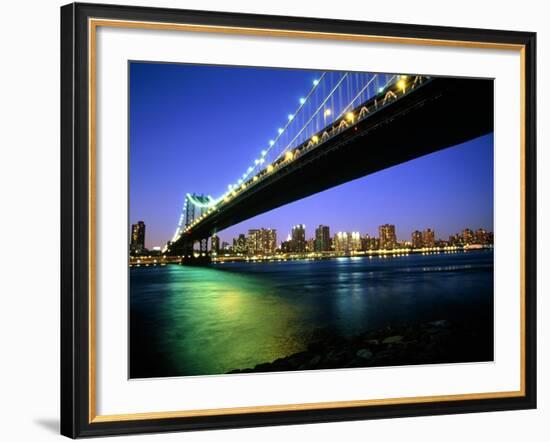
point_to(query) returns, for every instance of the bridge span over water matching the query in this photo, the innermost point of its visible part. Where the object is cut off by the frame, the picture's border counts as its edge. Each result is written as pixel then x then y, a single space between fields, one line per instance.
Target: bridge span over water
pixel 406 118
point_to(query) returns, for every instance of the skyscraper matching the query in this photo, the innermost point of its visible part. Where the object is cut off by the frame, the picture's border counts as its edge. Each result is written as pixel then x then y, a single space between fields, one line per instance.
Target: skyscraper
pixel 299 238
pixel 341 242
pixel 253 241
pixel 387 236
pixel 215 244
pixel 416 239
pixel 322 239
pixel 137 240
pixel 268 241
pixel 428 238
pixel 261 241
pixel 354 241
pixel 467 236
pixel 454 240
pixel 239 244
pixel 481 236
pixel 369 242
pixel 286 246
pixel 347 242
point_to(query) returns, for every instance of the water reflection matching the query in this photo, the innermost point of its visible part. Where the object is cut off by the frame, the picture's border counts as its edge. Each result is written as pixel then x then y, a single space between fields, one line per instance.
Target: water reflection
pixel 194 321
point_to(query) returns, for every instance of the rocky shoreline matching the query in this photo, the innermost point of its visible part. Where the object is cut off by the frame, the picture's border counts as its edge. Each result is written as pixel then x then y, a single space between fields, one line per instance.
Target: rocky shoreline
pixel 440 341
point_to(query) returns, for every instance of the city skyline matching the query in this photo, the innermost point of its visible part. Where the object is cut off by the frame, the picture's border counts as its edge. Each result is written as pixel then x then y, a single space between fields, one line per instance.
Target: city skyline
pixel 444 191
pixel 264 240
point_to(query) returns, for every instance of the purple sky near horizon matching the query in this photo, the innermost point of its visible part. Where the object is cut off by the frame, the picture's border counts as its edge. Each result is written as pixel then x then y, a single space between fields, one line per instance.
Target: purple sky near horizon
pixel 196 128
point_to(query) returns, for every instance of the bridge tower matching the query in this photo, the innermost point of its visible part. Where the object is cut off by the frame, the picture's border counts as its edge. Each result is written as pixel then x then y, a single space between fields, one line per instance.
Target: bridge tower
pixel 195 206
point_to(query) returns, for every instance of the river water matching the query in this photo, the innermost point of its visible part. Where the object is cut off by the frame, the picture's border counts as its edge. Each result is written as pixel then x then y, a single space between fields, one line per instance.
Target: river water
pixel 210 320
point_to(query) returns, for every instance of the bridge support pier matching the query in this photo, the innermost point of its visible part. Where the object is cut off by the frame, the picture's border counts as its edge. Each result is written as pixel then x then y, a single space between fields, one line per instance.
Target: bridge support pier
pixel 190 258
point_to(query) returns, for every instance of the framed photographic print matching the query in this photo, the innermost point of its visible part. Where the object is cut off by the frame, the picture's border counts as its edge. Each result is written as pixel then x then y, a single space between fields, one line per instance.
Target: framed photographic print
pixel 275 220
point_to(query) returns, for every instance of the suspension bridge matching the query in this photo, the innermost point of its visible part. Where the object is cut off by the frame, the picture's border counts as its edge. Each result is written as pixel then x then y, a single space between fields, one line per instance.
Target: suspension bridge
pixel 347 126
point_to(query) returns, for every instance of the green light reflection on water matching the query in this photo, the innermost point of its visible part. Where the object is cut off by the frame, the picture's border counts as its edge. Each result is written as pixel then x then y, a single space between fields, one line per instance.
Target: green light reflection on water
pixel 216 321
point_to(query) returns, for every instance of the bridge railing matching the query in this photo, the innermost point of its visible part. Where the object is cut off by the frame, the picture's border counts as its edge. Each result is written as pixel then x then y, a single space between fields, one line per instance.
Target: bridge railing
pixel 332 94
pixel 348 117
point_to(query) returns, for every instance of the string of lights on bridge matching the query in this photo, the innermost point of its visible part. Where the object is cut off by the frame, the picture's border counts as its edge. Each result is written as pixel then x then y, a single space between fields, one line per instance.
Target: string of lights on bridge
pixel 258 170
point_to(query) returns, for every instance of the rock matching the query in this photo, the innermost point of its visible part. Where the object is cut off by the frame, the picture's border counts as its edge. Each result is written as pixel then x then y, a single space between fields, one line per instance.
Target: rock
pixel 316 347
pixel 280 364
pixel 392 339
pixel 297 359
pixel 315 360
pixel 364 353
pixel 425 343
pixel 263 367
pixel 335 355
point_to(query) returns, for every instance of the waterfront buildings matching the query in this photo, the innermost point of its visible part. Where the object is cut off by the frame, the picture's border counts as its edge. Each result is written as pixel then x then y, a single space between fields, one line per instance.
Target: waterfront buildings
pixel 298 238
pixel 286 246
pixel 416 239
pixel 355 241
pixel 341 242
pixel 347 242
pixel 467 236
pixel 239 244
pixel 387 236
pixel 137 238
pixel 482 236
pixel 370 242
pixel 215 244
pixel 454 240
pixel 261 241
pixel 428 238
pixel 322 239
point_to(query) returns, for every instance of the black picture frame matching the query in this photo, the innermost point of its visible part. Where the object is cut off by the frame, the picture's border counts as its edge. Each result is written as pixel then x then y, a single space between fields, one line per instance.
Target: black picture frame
pixel 76 402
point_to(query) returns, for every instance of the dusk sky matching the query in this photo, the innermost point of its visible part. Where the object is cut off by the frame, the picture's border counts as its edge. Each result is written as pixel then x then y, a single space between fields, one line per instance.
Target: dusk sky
pixel 197 128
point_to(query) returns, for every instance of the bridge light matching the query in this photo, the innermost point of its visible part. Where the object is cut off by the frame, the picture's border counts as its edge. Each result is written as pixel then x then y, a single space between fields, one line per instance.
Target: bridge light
pixel 403 77
pixel 327 112
pixel 281 130
pixel 255 178
pixel 380 90
pixel 401 85
pixel 256 161
pixel 243 186
pixel 315 138
pixel 315 82
pixel 250 168
pixel 290 117
pixel 264 153
pixel 302 100
pixel 289 155
pixel 262 161
pixel 234 193
pixel 350 116
pixel 271 142
pixel 240 181
pixel 270 168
